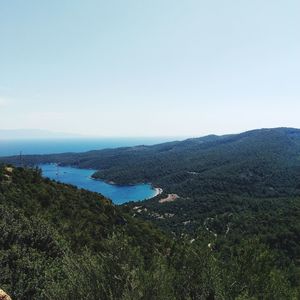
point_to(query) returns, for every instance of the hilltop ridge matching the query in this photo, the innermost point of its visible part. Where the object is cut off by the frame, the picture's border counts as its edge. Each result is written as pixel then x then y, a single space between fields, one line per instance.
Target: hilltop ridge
pixel 171 165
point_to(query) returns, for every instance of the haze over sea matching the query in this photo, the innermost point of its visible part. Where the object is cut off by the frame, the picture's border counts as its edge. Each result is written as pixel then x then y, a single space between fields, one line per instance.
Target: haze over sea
pixel 10 147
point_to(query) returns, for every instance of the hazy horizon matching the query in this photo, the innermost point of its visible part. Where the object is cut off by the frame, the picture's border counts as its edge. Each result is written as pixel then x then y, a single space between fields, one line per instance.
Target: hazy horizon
pixel 40 134
pixel 46 134
pixel 160 68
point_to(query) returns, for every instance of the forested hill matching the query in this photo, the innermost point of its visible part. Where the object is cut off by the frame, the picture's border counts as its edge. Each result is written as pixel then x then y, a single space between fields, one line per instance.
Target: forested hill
pixel 258 162
pixel 59 242
pixel 51 234
pixel 250 178
pixel 235 227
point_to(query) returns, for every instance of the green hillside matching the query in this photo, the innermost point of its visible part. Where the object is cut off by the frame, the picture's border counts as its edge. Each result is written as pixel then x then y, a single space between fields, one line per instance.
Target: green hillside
pixel 43 223
pixel 231 231
pixel 209 174
pixel 59 242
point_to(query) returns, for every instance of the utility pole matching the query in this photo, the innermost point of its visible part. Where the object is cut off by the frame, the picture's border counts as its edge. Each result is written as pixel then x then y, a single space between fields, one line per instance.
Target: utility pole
pixel 21 159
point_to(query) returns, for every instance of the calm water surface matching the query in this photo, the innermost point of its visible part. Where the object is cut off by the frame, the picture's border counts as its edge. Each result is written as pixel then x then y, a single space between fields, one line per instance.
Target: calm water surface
pixel 50 146
pixel 82 178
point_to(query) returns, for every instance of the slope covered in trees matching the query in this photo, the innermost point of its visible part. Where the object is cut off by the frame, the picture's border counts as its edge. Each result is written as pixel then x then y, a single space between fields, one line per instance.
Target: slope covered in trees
pixel 213 174
pixel 58 242
pixel 238 194
pixel 43 222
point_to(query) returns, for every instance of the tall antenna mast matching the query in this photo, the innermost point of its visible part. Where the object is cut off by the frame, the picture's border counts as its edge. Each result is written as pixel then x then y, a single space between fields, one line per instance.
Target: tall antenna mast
pixel 21 159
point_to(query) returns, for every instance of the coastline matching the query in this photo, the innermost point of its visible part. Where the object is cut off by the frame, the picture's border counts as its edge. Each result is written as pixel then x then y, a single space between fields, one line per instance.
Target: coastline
pixel 157 191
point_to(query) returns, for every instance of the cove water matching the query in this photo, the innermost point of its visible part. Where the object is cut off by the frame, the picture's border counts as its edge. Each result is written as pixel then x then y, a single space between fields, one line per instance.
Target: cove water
pixel 82 178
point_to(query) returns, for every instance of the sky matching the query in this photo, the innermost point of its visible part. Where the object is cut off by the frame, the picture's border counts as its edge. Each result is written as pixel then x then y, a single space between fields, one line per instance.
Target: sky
pixel 149 67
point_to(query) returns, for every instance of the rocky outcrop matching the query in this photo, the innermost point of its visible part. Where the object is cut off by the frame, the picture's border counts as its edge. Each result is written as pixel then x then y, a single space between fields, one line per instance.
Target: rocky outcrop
pixel 4 296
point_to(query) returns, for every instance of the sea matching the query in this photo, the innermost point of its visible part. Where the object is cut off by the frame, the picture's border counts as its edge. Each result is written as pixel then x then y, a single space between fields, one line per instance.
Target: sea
pixel 49 146
pixel 81 178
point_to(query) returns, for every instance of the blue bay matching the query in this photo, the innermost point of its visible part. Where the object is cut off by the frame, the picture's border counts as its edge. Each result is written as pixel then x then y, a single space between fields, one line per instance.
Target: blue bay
pixel 82 178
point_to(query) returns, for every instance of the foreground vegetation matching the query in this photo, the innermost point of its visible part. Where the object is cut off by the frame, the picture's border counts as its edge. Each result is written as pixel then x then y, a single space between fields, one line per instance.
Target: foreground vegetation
pixel 59 242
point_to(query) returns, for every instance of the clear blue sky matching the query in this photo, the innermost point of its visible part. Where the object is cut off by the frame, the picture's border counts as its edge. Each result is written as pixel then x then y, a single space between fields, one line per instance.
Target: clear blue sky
pixel 149 68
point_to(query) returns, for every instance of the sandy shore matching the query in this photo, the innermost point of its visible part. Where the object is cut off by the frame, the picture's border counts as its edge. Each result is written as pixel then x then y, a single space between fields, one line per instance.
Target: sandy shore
pixel 157 191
